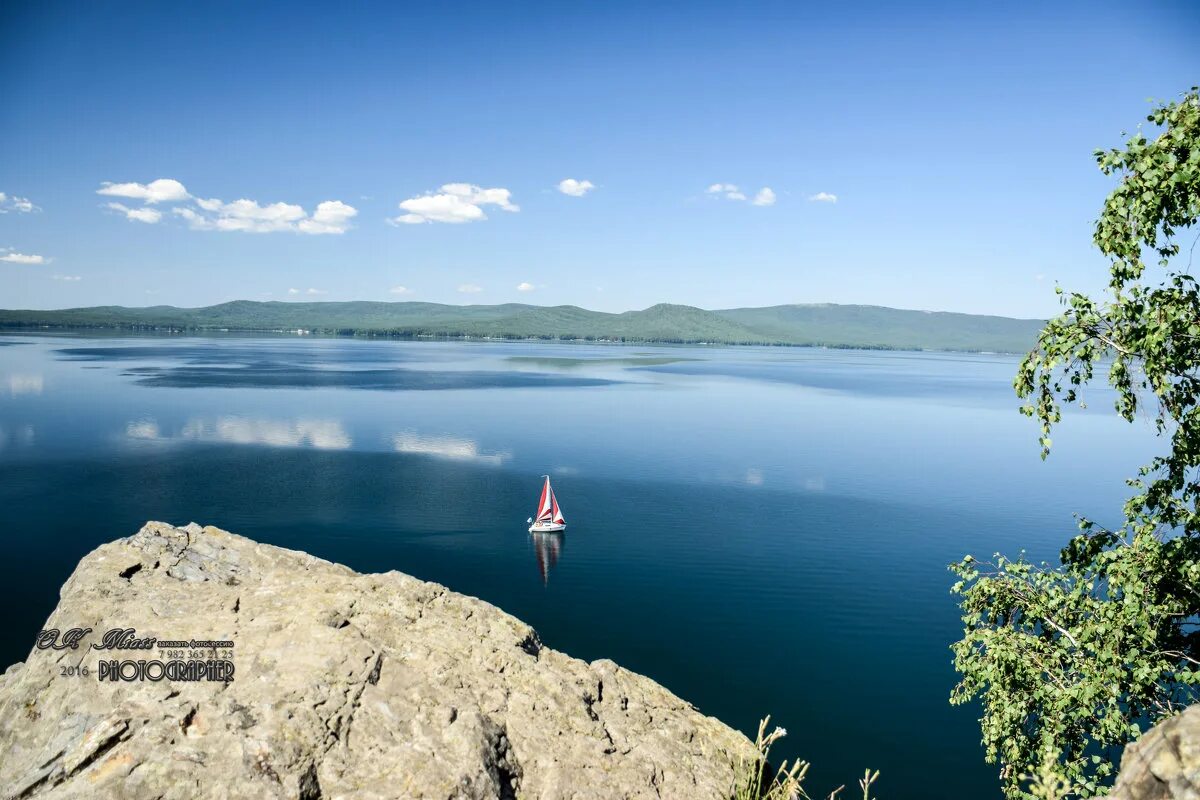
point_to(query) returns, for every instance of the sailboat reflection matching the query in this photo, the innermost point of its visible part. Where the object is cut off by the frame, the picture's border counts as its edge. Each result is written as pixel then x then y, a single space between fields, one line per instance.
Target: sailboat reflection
pixel 548 547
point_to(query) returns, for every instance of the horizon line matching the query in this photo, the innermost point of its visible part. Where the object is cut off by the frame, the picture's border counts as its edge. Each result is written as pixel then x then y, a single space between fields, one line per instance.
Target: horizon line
pixel 531 305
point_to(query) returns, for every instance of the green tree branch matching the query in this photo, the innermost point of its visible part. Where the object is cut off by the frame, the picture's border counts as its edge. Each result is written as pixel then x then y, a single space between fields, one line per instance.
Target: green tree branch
pixel 1070 662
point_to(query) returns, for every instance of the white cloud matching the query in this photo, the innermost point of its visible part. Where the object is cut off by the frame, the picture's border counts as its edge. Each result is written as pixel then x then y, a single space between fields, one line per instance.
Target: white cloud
pixel 727 190
pixel 823 197
pixel 163 190
pixel 454 203
pixel 315 291
pixel 244 215
pixel 400 290
pixel 293 291
pixel 449 447
pixel 470 288
pixel 730 191
pixel 765 197
pixel 575 188
pixel 331 216
pixel 147 215
pixel 69 278
pixel 190 215
pixel 21 205
pixel 525 286
pixel 13 257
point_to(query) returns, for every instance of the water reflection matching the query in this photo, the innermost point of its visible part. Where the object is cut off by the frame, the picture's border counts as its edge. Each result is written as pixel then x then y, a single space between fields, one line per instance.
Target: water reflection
pixel 299 377
pixel 321 434
pixel 247 353
pixel 548 547
pixel 19 436
pixel 25 384
pixel 451 447
pixel 271 365
pixel 143 429
pixel 559 362
pixel 868 492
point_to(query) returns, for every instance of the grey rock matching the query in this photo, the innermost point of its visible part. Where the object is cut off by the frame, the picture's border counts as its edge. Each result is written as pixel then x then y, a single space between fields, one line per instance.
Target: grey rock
pixel 345 686
pixel 1165 763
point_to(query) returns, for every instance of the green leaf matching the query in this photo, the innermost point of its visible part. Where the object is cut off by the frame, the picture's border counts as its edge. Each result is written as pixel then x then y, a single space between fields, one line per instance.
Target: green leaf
pixel 1069 660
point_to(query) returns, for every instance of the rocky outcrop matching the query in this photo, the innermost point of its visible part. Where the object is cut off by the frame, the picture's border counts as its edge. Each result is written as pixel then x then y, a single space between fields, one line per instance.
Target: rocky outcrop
pixel 1165 763
pixel 344 686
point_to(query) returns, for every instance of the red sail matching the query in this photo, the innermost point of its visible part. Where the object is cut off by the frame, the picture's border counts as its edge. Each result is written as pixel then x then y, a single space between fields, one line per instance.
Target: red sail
pixel 556 516
pixel 546 504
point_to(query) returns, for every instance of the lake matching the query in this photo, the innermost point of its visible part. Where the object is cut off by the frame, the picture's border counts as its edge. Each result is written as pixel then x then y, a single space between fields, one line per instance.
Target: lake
pixel 762 530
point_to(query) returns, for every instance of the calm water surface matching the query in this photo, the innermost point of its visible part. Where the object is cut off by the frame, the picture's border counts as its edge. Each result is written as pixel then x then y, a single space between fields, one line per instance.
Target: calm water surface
pixel 761 530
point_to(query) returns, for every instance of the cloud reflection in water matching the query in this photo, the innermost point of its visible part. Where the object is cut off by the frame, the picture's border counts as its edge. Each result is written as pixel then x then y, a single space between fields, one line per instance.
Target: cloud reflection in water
pixel 25 384
pixel 451 447
pixel 316 433
pixel 20 436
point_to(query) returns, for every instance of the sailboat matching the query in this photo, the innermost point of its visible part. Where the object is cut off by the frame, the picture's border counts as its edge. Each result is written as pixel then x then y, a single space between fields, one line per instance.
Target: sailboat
pixel 549 517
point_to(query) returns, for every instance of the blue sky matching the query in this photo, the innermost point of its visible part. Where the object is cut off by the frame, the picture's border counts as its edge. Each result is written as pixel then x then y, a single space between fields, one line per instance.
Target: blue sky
pixel 956 138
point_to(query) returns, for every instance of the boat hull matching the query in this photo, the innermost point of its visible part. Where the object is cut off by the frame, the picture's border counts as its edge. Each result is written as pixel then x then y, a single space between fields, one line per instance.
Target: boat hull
pixel 547 527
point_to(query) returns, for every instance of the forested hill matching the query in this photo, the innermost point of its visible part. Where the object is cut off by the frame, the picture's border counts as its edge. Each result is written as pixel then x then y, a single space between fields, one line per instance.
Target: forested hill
pixel 818 325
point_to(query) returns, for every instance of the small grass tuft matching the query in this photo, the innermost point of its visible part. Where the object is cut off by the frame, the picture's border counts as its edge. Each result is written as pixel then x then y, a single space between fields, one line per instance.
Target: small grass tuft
pixel 753 783
pixel 1049 783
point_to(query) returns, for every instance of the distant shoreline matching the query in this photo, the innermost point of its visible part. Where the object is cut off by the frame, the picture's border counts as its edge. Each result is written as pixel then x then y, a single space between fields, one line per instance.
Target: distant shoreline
pixel 6 330
pixel 823 326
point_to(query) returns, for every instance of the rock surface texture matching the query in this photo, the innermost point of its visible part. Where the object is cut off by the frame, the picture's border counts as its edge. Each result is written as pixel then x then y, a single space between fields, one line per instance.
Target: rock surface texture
pixel 345 685
pixel 1165 763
